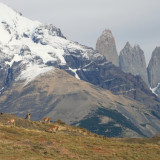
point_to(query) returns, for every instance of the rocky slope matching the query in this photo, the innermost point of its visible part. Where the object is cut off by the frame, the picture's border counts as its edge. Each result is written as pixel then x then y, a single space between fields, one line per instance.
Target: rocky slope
pixel 58 95
pixel 132 60
pixel 106 46
pixel 154 69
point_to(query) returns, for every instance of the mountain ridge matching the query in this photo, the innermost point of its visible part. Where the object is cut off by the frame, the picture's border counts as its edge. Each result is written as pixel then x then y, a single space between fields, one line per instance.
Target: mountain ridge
pixel 132 60
pixel 28 57
pixel 46 48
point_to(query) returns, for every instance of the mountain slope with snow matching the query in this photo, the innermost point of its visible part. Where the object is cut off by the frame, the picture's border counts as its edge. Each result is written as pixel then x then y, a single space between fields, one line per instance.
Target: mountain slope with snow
pixel 29 49
pixel 33 44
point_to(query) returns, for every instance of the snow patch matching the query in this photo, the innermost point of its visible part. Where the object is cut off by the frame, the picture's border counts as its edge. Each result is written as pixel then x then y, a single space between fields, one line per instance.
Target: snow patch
pixel 154 89
pixel 32 72
pixel 16 58
pixel 1 90
pixel 75 72
pixel 43 46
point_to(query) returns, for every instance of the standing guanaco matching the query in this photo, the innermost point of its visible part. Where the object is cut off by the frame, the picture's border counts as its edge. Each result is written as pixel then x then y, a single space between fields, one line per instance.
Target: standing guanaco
pixel 11 122
pixel 45 120
pixel 28 116
pixel 53 129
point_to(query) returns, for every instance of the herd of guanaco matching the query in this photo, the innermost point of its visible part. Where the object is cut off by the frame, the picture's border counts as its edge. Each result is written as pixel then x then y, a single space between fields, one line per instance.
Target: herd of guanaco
pixel 45 120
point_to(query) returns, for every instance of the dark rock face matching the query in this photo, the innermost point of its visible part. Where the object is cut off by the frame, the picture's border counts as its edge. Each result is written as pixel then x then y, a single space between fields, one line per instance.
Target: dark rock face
pixel 3 77
pixel 154 68
pixel 106 46
pixel 50 48
pixel 113 79
pixel 38 36
pixel 25 50
pixel 95 69
pixel 100 72
pixel 132 60
pixel 5 72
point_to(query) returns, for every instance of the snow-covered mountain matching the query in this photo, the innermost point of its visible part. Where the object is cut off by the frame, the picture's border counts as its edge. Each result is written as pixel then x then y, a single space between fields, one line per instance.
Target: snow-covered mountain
pixel 36 46
pixel 30 49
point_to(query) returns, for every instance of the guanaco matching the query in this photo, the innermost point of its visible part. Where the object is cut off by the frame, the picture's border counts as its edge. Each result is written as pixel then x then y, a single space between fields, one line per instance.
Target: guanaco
pixel 28 116
pixel 11 122
pixel 45 120
pixel 53 129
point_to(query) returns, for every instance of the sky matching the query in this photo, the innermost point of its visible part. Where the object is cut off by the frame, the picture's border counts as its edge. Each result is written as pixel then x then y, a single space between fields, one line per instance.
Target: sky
pixel 136 21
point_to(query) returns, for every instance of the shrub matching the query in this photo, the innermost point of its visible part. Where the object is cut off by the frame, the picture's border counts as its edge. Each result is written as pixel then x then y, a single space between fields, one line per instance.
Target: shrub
pixel 60 122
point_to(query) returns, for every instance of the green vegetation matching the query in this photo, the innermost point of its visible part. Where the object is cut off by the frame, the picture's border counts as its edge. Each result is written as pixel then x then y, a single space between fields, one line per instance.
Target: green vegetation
pixel 93 123
pixel 29 141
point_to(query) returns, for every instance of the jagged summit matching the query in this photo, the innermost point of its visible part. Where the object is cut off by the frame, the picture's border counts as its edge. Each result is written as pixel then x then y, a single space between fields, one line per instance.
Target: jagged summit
pixel 39 48
pixel 128 45
pixel 107 32
pixel 13 25
pixel 107 47
pixel 30 48
pixel 137 46
pixel 127 49
pixel 35 45
pixel 138 50
pixel 132 60
pixel 16 27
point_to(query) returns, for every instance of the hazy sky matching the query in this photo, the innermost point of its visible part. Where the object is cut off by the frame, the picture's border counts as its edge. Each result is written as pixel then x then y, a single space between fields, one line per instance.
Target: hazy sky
pixel 136 21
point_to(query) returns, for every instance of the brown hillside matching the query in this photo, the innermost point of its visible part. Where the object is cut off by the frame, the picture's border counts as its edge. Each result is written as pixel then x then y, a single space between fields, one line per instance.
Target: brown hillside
pixel 29 140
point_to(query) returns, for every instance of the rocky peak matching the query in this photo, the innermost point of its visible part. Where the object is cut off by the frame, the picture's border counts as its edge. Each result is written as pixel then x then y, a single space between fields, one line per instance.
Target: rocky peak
pixel 127 49
pixel 137 47
pixel 154 68
pixel 128 45
pixel 39 49
pixel 106 46
pixel 107 33
pixel 132 60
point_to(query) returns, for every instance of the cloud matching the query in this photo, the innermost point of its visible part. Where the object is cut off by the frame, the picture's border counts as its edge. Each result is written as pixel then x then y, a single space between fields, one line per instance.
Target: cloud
pixel 136 21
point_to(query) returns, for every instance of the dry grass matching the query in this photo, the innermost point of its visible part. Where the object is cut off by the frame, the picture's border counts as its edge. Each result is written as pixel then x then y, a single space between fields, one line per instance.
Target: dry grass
pixel 29 141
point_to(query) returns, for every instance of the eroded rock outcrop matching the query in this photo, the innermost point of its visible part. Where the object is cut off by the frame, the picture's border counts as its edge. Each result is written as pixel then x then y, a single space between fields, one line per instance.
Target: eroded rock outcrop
pixel 106 46
pixel 132 60
pixel 154 68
